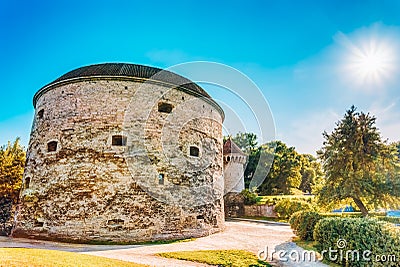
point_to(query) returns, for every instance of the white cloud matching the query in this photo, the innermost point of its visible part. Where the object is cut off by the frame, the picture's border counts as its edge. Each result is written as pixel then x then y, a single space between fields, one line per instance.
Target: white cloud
pixel 305 133
pixel 388 119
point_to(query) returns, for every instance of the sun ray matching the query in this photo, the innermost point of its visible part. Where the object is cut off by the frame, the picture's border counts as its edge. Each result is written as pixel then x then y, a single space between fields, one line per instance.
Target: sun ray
pixel 367 62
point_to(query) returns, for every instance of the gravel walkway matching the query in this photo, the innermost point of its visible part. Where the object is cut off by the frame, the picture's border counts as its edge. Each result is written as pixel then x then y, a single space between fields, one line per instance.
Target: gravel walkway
pixel 250 236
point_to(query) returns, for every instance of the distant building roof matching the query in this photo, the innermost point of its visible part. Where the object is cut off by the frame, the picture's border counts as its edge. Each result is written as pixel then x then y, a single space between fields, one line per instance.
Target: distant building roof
pixel 231 148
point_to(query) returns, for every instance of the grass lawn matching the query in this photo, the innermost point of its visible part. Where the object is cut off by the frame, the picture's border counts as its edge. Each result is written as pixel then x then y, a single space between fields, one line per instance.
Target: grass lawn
pixel 158 242
pixel 24 257
pixel 234 258
pixel 273 219
pixel 273 199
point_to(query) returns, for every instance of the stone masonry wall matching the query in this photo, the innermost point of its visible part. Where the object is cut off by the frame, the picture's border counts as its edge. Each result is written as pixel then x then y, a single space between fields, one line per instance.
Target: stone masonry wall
pixel 89 189
pixel 234 173
pixel 259 211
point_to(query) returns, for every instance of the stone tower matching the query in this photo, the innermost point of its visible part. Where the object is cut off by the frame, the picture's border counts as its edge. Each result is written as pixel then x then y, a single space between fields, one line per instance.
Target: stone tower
pixel 234 161
pixel 125 153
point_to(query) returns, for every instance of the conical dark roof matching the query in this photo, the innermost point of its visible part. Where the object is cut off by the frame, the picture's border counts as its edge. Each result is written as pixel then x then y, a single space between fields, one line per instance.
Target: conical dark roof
pixel 125 71
pixel 231 148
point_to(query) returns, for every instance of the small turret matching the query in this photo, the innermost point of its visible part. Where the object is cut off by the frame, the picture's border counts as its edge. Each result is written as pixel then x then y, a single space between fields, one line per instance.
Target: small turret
pixel 234 162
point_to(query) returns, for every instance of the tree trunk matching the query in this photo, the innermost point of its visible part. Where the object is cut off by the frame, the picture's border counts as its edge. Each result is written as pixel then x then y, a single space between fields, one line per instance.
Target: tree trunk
pixel 361 206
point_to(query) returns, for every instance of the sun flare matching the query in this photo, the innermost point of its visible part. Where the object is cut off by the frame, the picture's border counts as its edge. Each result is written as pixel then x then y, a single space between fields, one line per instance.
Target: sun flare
pixel 369 63
pixel 372 63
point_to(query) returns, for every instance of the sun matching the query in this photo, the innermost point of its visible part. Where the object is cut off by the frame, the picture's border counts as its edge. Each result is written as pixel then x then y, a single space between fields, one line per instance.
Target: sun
pixel 369 63
pixel 372 64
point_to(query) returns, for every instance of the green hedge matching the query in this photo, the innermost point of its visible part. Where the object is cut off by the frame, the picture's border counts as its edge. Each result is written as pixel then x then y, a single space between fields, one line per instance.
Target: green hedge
pixel 286 207
pixel 360 235
pixel 395 220
pixel 273 200
pixel 303 223
pixel 380 216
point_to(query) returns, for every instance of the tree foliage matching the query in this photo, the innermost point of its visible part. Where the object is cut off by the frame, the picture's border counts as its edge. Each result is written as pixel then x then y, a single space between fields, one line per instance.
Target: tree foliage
pixel 358 164
pixel 247 142
pixel 290 173
pixel 284 176
pixel 397 146
pixel 12 162
pixel 311 174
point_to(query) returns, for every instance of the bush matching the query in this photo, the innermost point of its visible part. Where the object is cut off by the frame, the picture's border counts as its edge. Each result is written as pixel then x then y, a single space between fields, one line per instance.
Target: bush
pixel 6 210
pixel 286 207
pixel 250 197
pixel 272 200
pixel 395 220
pixel 303 223
pixel 355 214
pixel 360 235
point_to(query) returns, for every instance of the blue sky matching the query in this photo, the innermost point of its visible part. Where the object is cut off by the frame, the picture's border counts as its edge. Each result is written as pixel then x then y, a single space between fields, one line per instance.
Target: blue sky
pixel 307 57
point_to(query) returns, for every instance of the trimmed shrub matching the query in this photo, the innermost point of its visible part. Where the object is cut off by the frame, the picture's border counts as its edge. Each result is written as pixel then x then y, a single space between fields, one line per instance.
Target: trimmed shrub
pixel 250 197
pixel 395 220
pixel 342 214
pixel 303 223
pixel 286 207
pixel 379 216
pixel 352 238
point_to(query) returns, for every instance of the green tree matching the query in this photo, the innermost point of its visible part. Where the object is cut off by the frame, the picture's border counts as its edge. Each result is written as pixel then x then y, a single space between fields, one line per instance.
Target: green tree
pixel 247 142
pixel 284 176
pixel 358 165
pixel 12 162
pixel 311 173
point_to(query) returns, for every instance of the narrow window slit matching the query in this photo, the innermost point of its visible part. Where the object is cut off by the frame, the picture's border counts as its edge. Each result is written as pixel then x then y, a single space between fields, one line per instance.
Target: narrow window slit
pixel 161 179
pixel 27 182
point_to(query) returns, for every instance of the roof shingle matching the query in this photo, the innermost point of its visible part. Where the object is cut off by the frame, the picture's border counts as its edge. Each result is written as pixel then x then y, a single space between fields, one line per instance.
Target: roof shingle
pixel 126 70
pixel 231 148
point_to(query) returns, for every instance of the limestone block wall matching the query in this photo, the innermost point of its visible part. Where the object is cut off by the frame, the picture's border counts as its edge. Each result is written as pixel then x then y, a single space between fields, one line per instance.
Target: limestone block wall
pixel 105 164
pixel 259 211
pixel 234 205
